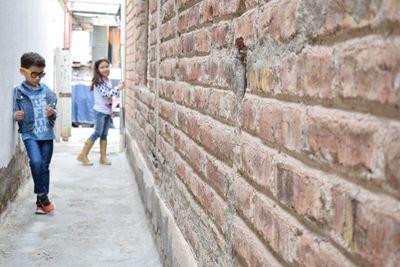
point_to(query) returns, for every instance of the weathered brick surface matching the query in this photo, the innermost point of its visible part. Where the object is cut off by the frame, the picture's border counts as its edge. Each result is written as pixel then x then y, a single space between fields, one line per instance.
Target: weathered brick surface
pixel 368 226
pixel 12 177
pixel 343 139
pixel 297 167
pixel 392 156
pixel 278 20
pixel 368 69
pixel 248 250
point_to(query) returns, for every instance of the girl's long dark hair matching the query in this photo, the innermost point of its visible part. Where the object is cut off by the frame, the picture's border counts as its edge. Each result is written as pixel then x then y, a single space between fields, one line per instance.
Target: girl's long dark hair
pixel 97 78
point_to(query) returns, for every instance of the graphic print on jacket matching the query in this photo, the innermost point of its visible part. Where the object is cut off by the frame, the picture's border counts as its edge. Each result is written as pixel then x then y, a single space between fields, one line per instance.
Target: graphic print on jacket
pixel 41 121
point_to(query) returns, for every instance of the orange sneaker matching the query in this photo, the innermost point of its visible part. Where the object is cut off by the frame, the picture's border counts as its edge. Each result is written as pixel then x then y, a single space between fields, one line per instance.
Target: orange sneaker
pixel 44 205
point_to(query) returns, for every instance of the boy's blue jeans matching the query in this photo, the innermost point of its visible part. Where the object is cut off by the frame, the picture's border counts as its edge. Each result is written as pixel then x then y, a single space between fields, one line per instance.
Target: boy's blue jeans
pixel 40 153
pixel 101 125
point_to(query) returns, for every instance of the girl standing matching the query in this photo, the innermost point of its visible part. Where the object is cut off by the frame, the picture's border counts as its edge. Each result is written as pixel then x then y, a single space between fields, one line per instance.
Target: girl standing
pixel 103 93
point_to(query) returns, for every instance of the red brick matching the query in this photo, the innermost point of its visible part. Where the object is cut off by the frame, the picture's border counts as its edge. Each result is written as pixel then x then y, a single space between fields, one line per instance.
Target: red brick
pixel 168 49
pixel 344 16
pixel 249 118
pixel 222 72
pixel 168 10
pixel 167 69
pixel 264 80
pixel 312 253
pixel 279 20
pixel 231 7
pixel 180 167
pixel 249 249
pixel 182 93
pixel 166 90
pixel 201 42
pixel 193 126
pixel 281 124
pixel 193 69
pixel 342 138
pixel 213 205
pixel 392 157
pixel 166 110
pixel 145 111
pixel 145 97
pixel 222 104
pixel 182 120
pixel 166 150
pixel 220 34
pixel 276 230
pixel 217 138
pixel 255 161
pixel 181 3
pixel 289 239
pixel 369 70
pixel 217 176
pixel 289 72
pixel 196 156
pixel 189 18
pixel 303 191
pixel 211 10
pixel 198 98
pixel 168 29
pixel 245 194
pixel 186 44
pixel 189 123
pixel 166 130
pixel 367 224
pixel 244 27
pixel 211 170
pixel 316 72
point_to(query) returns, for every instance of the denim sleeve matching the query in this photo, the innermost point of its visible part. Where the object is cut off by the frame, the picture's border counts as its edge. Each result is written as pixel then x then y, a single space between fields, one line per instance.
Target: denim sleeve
pixel 15 104
pixel 52 102
pixel 107 92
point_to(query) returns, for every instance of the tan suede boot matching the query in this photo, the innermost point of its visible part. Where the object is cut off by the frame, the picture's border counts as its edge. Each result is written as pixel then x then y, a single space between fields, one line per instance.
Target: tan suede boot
pixel 103 152
pixel 83 156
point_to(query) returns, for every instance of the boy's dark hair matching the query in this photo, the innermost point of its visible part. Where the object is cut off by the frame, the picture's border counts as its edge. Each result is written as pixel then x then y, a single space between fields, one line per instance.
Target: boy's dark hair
pixel 32 59
pixel 97 79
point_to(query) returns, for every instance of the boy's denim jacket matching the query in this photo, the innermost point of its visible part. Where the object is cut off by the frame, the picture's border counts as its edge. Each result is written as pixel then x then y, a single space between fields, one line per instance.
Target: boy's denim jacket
pixel 22 101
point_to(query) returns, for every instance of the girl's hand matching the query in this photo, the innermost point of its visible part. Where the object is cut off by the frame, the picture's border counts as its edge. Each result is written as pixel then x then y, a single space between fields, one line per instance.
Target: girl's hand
pixel 19 115
pixel 49 111
pixel 121 86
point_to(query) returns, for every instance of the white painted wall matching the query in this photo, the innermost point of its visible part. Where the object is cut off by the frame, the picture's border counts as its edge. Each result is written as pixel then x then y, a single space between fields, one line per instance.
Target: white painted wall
pixel 25 26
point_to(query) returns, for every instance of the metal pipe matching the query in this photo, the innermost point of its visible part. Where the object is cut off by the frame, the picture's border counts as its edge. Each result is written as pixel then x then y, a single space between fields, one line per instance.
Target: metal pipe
pixel 122 99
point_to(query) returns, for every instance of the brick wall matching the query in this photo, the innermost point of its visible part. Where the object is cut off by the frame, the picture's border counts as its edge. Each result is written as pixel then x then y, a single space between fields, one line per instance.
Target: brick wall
pixel 13 176
pixel 283 150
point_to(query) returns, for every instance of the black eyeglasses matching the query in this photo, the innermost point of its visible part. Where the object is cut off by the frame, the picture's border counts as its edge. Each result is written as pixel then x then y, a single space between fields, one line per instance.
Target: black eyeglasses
pixel 33 74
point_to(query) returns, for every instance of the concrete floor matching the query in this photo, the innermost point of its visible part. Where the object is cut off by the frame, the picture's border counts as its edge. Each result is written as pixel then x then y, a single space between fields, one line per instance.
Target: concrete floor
pixel 99 218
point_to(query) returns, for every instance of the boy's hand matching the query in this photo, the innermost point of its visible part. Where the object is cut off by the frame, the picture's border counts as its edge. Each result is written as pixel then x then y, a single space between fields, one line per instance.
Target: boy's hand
pixel 121 86
pixel 19 115
pixel 49 111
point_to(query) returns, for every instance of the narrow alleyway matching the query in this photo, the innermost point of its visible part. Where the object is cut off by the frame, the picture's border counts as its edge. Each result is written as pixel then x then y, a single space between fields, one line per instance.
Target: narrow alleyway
pixel 99 218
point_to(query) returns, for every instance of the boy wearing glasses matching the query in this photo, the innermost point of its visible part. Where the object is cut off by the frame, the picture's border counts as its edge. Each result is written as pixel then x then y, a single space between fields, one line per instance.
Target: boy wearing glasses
pixel 35 111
